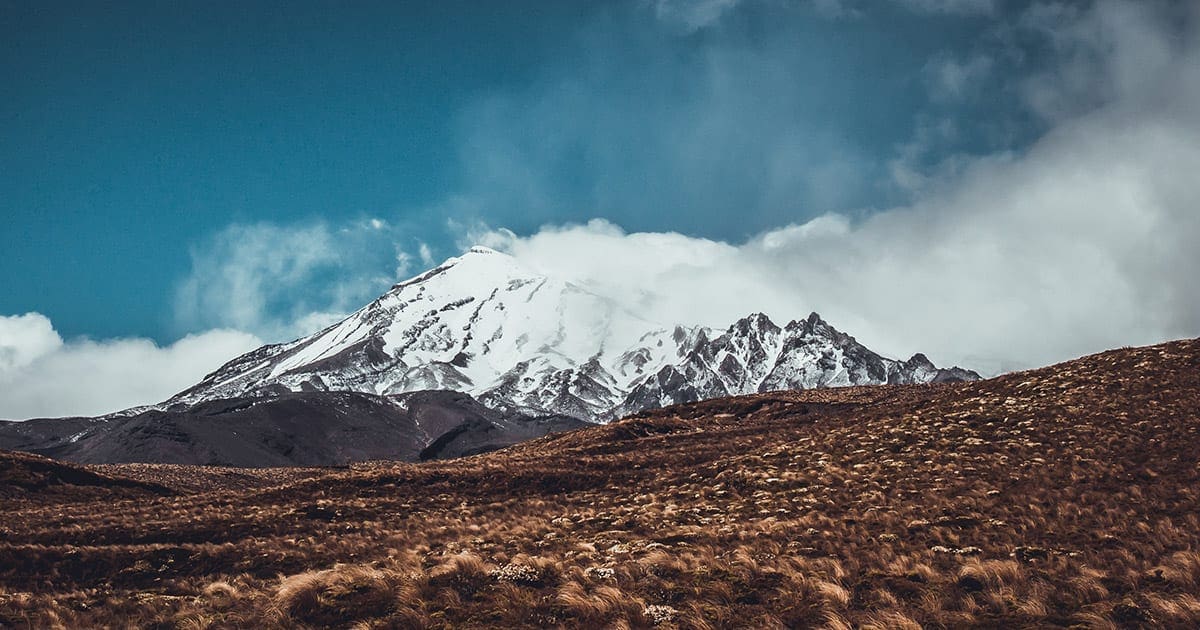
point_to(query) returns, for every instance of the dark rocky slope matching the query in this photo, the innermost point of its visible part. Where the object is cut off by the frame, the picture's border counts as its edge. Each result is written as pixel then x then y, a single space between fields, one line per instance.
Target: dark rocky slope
pixel 292 429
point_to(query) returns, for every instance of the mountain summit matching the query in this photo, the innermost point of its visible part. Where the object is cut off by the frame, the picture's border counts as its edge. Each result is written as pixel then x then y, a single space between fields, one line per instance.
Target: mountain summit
pixel 520 341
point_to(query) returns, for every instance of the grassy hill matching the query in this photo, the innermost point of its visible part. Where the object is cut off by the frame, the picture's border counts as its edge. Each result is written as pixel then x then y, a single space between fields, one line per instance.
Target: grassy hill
pixel 1062 496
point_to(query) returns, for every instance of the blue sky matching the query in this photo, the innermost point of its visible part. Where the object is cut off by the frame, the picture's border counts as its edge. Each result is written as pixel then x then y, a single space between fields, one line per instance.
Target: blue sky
pixel 134 132
pixel 999 184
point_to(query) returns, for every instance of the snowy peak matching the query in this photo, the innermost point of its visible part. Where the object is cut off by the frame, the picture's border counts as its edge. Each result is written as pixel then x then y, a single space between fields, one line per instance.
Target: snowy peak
pixel 755 324
pixel 472 323
pixel 483 324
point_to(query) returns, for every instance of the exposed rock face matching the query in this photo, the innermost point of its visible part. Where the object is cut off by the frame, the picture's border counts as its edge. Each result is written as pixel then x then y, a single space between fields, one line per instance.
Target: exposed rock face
pixel 755 355
pixel 526 343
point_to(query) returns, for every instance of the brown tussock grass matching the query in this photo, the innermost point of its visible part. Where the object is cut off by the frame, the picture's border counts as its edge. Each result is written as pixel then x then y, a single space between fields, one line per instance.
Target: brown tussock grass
pixel 1058 497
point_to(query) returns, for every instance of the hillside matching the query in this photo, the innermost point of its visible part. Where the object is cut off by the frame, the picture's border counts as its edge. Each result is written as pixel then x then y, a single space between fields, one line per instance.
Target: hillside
pixel 30 479
pixel 1068 495
pixel 285 430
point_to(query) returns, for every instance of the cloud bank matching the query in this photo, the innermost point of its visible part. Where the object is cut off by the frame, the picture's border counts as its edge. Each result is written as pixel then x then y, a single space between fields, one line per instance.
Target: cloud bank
pixel 1083 242
pixel 41 375
pixel 1080 241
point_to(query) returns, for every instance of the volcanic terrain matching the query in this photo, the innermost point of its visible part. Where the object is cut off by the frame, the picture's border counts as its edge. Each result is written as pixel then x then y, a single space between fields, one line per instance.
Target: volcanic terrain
pixel 1062 496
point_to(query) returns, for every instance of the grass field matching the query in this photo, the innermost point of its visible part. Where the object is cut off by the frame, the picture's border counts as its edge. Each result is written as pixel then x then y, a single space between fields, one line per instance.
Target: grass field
pixel 1065 496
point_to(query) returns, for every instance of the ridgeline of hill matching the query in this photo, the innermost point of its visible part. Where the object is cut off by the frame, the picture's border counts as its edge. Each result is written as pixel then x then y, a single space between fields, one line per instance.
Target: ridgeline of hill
pixel 1062 496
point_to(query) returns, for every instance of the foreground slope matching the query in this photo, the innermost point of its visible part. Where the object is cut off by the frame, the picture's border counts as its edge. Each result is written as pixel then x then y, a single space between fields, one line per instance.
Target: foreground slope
pixel 1061 496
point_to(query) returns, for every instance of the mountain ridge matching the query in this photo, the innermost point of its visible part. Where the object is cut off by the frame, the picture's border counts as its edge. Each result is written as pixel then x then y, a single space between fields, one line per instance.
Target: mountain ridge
pixel 289 429
pixel 525 342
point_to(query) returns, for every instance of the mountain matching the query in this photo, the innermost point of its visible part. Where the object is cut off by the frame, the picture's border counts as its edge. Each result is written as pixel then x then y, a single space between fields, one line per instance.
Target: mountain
pixel 291 429
pixel 474 355
pixel 524 342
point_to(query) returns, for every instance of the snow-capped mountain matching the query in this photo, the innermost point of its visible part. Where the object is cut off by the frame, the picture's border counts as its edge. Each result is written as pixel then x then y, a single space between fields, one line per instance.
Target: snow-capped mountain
pixel 525 342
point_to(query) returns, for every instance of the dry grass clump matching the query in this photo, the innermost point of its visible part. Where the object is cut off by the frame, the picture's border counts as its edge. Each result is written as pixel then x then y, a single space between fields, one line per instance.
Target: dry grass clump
pixel 1068 496
pixel 338 595
pixel 596 605
pixel 221 595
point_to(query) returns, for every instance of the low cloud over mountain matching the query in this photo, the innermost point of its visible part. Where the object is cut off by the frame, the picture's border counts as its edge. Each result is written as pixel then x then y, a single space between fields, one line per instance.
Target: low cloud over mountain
pixel 43 375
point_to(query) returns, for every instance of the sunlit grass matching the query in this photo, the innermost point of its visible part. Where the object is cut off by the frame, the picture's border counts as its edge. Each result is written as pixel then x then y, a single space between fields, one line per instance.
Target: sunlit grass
pixel 1062 496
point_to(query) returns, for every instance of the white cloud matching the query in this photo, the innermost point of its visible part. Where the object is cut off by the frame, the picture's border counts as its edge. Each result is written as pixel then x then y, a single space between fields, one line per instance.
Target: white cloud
pixel 51 378
pixel 403 263
pixel 284 281
pixel 425 254
pixel 908 169
pixel 1080 246
pixel 1084 242
pixel 1118 52
pixel 24 338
